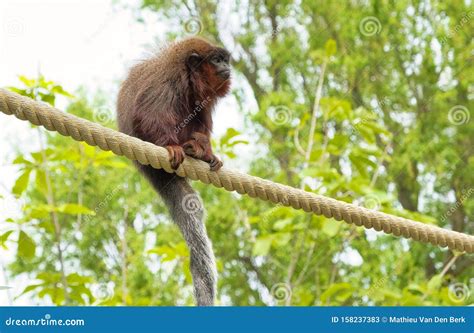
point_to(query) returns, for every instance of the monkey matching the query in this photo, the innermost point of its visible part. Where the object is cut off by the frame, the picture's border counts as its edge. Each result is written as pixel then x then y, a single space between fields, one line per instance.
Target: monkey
pixel 168 100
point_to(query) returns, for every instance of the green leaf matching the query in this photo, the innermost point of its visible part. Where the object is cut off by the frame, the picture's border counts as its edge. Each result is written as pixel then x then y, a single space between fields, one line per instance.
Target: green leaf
pixel 169 253
pixel 4 238
pixel 435 282
pixel 281 239
pixel 75 278
pixel 74 209
pixel 338 289
pixel 21 160
pixel 21 183
pixel 26 81
pixel 388 293
pixel 229 134
pixel 57 89
pixel 26 246
pixel 330 47
pixel 281 224
pixel 330 227
pixel 41 181
pixel 262 246
pixel 31 287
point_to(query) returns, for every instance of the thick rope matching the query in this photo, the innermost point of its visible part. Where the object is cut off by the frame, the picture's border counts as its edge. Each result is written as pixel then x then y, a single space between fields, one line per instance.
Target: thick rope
pixel 146 153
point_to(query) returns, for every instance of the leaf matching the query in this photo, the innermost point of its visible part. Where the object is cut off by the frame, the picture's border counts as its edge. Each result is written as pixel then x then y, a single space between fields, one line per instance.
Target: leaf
pixel 281 239
pixel 31 287
pixel 27 82
pixel 21 160
pixel 435 282
pixel 281 224
pixel 74 209
pixel 330 47
pixel 330 227
pixel 39 211
pixel 342 289
pixel 40 181
pixel 49 277
pixel 21 183
pixel 75 279
pixel 4 238
pixel 229 134
pixel 57 89
pixel 388 293
pixel 169 253
pixel 262 246
pixel 26 246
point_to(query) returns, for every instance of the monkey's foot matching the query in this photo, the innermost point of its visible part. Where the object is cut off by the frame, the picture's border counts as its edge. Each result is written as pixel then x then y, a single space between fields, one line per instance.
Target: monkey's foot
pixel 176 156
pixel 215 163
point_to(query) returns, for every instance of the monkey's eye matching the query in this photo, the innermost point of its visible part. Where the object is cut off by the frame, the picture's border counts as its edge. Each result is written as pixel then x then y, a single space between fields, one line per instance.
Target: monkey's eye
pixel 218 59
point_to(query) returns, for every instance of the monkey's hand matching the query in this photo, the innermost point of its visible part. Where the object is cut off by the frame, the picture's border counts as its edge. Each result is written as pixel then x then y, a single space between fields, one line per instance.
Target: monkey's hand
pixel 194 149
pixel 176 156
pixel 200 147
pixel 215 163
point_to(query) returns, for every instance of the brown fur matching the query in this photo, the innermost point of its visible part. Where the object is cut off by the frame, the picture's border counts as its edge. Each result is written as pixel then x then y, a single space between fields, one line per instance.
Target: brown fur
pixel 168 100
pixel 160 93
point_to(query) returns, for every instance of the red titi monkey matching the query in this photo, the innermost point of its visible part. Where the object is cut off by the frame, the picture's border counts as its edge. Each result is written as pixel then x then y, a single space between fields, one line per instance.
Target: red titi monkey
pixel 168 100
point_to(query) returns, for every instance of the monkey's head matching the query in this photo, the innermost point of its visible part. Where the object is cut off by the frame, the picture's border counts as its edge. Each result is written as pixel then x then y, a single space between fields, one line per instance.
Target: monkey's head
pixel 208 65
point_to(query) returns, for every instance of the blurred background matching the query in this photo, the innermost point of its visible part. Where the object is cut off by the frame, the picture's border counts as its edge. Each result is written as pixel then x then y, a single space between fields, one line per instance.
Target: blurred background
pixel 368 102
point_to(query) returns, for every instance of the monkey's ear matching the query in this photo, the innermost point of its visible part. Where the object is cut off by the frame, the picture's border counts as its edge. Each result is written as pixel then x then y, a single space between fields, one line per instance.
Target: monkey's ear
pixel 194 60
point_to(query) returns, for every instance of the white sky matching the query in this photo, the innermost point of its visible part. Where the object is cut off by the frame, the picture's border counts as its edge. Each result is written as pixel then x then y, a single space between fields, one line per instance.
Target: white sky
pixel 72 42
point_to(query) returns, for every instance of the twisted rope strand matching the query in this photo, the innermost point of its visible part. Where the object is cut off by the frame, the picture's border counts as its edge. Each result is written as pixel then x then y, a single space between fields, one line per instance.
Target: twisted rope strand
pixel 94 134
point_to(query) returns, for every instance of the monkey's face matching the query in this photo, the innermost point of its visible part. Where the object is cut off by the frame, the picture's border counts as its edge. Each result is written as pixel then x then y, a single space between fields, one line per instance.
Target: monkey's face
pixel 213 69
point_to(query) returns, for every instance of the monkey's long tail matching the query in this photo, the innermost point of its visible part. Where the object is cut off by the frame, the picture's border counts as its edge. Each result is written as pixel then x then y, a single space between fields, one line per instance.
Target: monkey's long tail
pixel 187 211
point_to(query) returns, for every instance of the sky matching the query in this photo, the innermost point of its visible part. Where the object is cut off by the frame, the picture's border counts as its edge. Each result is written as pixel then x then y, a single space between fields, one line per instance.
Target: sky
pixel 76 43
